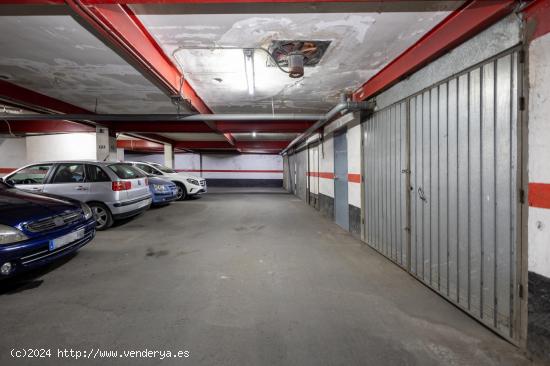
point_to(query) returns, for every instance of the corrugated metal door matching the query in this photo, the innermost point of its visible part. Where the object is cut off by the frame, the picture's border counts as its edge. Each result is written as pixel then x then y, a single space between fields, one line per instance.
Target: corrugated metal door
pixel 459 142
pixel 464 204
pixel 286 173
pixel 386 193
pixel 292 169
pixel 301 169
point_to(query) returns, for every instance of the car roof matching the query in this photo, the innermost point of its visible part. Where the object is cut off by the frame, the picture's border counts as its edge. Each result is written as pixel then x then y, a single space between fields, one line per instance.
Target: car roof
pixel 95 162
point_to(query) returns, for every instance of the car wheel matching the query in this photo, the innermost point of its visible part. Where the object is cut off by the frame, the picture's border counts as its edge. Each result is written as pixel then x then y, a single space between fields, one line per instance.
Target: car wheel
pixel 181 193
pixel 103 217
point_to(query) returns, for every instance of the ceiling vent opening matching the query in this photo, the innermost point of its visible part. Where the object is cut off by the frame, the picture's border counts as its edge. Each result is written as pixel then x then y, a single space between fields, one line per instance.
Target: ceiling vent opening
pixel 297 54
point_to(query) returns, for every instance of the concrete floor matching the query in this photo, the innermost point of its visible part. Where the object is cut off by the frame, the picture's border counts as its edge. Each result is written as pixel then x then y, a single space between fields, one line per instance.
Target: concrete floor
pixel 240 279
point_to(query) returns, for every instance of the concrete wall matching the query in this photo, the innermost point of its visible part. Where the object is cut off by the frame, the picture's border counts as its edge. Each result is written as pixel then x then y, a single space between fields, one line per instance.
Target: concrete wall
pixel 539 155
pixel 226 169
pixel 61 147
pixel 13 154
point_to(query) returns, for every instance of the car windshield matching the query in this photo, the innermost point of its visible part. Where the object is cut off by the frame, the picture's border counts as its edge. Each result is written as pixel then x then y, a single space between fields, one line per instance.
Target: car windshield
pixel 164 169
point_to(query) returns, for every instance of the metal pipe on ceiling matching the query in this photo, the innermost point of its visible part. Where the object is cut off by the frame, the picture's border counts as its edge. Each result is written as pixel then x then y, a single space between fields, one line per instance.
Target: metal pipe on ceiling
pixel 345 106
pixel 164 117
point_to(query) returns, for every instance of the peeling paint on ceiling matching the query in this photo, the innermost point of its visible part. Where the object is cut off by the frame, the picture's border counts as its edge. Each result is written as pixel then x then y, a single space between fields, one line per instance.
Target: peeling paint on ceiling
pixel 54 55
pixel 362 44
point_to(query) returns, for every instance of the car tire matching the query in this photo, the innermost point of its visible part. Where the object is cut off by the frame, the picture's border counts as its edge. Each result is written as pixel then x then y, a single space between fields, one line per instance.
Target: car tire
pixel 181 194
pixel 104 218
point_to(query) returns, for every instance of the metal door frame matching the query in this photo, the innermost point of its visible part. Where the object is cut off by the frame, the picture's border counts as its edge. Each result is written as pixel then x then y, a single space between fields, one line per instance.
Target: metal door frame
pixel 339 132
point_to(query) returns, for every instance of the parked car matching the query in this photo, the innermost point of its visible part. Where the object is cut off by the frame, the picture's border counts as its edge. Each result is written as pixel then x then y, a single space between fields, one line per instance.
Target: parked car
pixel 36 229
pixel 188 185
pixel 162 190
pixel 112 190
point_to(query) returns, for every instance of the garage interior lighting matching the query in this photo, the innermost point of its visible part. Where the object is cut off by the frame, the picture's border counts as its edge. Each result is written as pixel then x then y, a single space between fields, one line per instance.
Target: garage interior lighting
pixel 253 133
pixel 249 69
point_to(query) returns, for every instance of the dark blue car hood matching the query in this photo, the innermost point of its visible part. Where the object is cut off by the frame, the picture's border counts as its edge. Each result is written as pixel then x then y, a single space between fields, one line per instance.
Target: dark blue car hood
pixel 17 206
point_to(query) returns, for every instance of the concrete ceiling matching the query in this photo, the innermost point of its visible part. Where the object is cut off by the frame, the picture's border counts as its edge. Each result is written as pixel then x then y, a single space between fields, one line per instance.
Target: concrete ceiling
pixel 54 55
pixel 362 44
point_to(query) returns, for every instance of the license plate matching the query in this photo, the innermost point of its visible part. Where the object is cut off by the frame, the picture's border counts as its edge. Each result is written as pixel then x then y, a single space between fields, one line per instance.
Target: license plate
pixel 66 239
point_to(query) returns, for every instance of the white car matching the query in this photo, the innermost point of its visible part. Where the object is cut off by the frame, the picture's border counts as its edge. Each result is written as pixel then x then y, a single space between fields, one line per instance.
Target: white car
pixel 188 185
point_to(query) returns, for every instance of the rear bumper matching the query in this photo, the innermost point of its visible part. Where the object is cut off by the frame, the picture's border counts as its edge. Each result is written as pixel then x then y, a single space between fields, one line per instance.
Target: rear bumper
pixel 36 252
pixel 124 209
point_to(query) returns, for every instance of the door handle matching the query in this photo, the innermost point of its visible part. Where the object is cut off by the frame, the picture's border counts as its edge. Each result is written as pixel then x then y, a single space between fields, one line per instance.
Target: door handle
pixel 35 189
pixel 81 188
pixel 422 195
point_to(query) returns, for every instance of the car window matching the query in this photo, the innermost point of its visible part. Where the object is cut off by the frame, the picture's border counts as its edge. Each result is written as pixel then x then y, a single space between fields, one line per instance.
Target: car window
pixel 34 174
pixel 124 171
pixel 164 169
pixel 69 173
pixel 148 169
pixel 94 173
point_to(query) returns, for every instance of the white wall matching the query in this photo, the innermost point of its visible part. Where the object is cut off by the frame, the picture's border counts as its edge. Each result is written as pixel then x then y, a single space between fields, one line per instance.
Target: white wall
pixel 539 152
pixel 13 154
pixel 245 166
pixel 223 166
pixel 354 164
pixel 61 147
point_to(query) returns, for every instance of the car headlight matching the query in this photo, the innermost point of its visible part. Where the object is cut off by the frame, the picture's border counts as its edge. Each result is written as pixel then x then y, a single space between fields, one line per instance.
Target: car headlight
pixel 159 188
pixel 10 235
pixel 193 181
pixel 88 213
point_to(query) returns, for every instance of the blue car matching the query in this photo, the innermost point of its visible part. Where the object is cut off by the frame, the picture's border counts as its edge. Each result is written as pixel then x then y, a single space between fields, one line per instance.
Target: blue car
pixel 36 229
pixel 162 190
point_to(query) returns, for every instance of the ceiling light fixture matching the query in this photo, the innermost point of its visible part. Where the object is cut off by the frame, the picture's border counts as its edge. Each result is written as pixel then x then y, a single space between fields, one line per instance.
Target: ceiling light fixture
pixel 249 69
pixel 253 133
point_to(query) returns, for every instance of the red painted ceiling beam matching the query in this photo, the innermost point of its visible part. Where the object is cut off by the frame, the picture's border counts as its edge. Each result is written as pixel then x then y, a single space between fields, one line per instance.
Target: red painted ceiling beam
pixel 262 145
pixel 43 127
pixel 462 24
pixel 537 16
pixel 138 144
pixel 33 100
pixel 121 28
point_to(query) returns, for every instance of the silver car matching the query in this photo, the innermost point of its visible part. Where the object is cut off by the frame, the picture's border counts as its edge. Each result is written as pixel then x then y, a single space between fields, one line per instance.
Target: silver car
pixel 113 190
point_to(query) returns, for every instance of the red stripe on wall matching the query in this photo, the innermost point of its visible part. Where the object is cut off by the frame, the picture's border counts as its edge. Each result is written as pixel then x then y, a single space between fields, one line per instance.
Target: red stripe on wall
pixel 228 171
pixel 539 195
pixel 354 178
pixel 326 175
pixel 6 170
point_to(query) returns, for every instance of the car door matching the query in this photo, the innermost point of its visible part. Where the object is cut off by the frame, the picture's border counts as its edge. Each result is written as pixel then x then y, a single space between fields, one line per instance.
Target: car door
pixel 30 178
pixel 69 180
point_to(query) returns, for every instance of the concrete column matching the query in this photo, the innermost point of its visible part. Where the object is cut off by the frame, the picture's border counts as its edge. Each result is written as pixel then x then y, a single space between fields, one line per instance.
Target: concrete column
pixel 120 154
pixel 169 155
pixel 105 145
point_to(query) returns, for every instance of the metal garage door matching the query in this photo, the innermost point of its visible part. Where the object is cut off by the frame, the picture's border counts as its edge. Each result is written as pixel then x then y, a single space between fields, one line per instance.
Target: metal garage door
pixel 292 176
pixel 386 163
pixel 301 169
pixel 464 181
pixel 313 175
pixel 341 201
pixel 464 162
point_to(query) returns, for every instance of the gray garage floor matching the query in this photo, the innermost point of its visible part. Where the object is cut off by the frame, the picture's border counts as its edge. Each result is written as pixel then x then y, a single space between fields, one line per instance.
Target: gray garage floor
pixel 240 279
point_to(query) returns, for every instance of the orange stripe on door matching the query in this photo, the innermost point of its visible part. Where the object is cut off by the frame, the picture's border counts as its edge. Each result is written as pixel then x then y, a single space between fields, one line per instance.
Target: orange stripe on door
pixel 539 195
